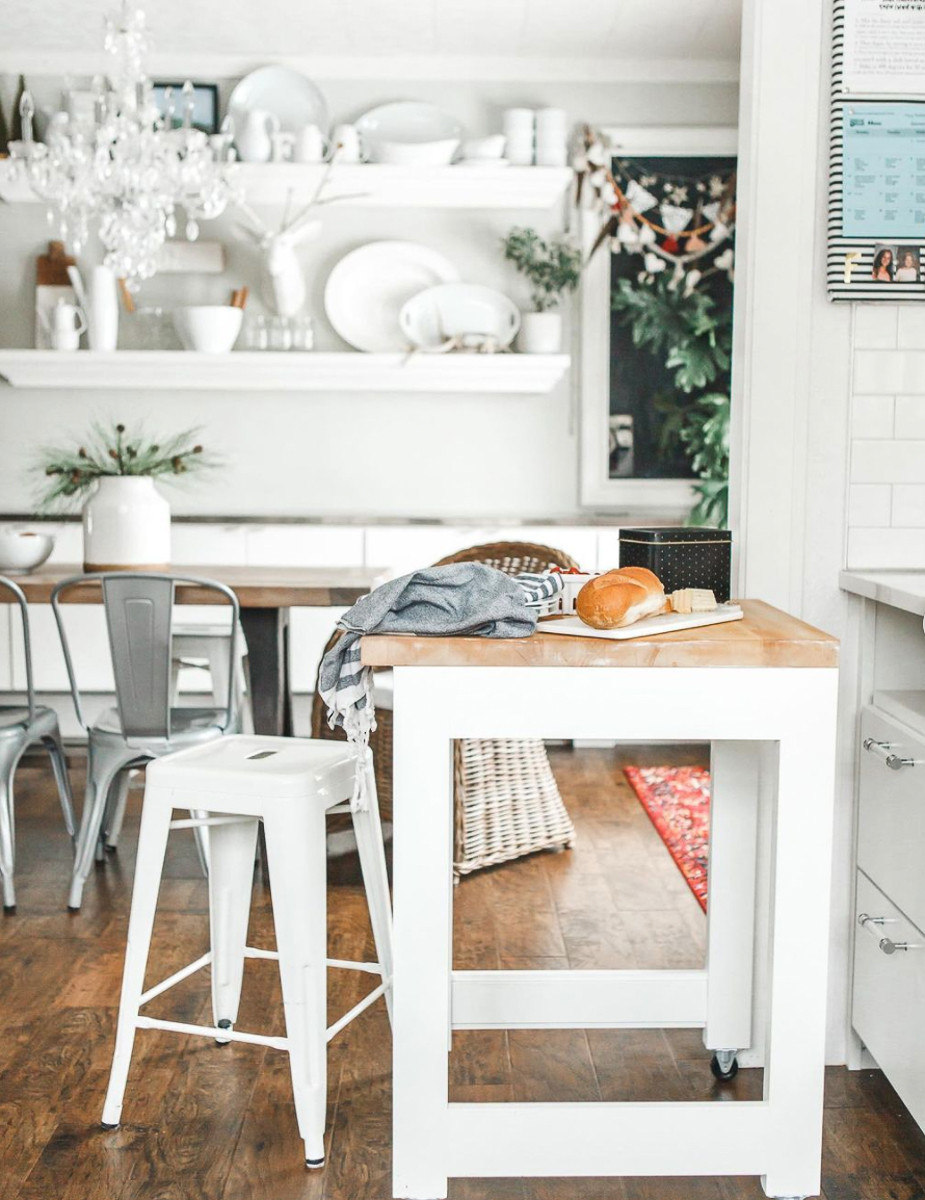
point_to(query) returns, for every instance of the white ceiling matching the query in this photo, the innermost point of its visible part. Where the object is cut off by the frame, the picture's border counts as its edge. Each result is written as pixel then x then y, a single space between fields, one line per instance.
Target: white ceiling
pixel 612 35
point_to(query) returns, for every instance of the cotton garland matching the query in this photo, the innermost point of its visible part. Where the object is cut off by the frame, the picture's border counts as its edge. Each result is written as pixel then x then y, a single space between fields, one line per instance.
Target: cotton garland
pixel 690 227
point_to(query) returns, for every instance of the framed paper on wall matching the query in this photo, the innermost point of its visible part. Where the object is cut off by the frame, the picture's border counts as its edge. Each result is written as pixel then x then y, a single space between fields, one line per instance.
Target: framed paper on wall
pixel 627 462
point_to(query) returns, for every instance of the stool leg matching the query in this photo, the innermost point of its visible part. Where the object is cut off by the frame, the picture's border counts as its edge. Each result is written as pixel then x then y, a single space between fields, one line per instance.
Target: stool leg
pixel 368 832
pixel 298 884
pixel 231 873
pixel 116 805
pixel 152 844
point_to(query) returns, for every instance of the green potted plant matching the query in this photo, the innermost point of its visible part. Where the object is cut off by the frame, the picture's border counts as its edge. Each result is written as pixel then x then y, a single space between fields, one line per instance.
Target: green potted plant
pixel 551 268
pixel 125 518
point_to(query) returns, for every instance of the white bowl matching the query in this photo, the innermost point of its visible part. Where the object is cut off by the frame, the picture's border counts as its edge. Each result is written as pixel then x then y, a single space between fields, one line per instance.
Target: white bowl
pixel 21 551
pixel 208 328
pixel 484 149
pixel 413 154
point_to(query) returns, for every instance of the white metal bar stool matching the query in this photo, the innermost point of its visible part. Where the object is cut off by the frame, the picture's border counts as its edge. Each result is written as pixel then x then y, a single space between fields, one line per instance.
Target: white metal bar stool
pixel 290 784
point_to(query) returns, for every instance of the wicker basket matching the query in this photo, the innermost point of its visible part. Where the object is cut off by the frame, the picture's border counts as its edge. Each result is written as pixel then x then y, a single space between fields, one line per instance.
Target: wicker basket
pixel 507 803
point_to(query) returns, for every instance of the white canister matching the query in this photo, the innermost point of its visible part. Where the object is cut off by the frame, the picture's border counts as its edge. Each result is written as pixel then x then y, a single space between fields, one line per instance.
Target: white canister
pixel 540 333
pixel 519 133
pixel 126 526
pixel 552 137
pixel 103 315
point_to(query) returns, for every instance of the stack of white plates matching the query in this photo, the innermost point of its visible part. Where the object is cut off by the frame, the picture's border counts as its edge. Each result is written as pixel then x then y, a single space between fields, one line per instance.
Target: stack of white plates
pixel 551 138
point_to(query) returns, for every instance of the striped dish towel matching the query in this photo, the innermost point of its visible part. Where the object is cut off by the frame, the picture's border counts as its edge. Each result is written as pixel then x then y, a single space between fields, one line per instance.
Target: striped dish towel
pixel 540 588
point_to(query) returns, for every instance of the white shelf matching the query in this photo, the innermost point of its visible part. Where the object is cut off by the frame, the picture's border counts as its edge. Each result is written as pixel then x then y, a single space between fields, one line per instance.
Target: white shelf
pixel 379 186
pixel 292 372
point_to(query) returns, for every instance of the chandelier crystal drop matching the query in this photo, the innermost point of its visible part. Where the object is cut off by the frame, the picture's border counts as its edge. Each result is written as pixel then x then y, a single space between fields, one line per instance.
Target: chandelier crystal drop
pixel 130 169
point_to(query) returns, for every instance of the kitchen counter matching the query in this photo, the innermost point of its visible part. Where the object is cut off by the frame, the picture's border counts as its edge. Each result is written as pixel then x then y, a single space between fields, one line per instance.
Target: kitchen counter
pixel 899 589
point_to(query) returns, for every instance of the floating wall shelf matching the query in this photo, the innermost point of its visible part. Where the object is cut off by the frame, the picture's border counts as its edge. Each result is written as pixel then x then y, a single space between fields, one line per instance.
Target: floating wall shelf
pixel 379 186
pixel 169 370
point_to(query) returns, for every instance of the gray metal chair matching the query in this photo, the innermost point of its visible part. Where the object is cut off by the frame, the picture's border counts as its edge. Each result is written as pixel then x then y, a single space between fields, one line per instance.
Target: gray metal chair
pixel 21 727
pixel 145 725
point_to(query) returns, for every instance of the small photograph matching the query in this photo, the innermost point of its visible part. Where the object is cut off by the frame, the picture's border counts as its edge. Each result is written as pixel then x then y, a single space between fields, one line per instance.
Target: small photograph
pixel 884 264
pixel 908 265
pixel 205 104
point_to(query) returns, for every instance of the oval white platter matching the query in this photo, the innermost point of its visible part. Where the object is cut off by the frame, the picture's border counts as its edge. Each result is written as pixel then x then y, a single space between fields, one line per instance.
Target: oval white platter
pixel 409 123
pixel 367 289
pixel 459 310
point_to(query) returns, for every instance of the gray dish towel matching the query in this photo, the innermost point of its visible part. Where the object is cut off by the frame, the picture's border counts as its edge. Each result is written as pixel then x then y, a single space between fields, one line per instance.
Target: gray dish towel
pixel 461 598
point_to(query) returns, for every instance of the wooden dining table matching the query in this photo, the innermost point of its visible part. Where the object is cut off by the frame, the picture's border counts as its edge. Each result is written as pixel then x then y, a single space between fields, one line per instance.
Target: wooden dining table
pixel 266 596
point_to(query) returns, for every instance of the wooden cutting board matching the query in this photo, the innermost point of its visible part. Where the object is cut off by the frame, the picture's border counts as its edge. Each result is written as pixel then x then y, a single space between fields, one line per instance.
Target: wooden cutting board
pixel 663 623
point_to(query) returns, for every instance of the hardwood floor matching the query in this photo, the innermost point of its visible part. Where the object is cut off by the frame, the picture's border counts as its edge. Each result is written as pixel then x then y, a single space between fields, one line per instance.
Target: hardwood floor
pixel 217 1123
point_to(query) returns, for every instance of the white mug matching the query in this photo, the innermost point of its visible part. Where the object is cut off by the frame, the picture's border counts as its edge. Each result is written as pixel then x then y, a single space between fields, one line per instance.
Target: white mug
pixel 282 144
pixel 311 146
pixel 346 140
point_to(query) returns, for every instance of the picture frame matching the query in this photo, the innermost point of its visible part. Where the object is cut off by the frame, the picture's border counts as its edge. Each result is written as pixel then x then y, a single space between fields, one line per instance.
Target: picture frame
pixel 661 499
pixel 205 103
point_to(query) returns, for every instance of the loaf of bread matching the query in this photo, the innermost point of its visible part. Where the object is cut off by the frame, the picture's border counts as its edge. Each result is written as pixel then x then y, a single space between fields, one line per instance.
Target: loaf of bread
pixel 620 597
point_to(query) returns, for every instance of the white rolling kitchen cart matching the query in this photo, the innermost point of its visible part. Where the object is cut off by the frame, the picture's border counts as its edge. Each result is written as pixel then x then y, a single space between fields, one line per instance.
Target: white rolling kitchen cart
pixel 763 691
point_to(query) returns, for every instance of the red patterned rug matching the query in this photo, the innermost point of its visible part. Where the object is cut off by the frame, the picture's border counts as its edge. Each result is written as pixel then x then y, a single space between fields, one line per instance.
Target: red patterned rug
pixel 677 800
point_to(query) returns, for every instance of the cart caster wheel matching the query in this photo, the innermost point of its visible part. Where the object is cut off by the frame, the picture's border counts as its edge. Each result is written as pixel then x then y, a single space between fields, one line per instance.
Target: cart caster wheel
pixel 224 1024
pixel 724 1065
pixel 314 1164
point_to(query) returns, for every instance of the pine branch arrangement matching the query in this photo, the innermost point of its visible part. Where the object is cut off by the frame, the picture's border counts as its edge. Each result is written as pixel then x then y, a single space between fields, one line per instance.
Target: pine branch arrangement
pixel 68 475
pixel 551 268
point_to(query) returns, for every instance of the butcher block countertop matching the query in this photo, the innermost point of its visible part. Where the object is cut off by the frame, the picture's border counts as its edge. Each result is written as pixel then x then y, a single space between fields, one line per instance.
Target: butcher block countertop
pixel 765 637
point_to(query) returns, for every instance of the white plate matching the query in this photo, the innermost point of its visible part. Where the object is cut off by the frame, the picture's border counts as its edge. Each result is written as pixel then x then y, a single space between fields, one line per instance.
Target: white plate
pixel 664 623
pixel 367 289
pixel 466 310
pixel 288 94
pixel 409 123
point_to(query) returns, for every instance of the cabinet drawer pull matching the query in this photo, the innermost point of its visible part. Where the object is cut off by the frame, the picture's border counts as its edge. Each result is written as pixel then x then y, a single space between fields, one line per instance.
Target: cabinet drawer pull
pixel 883 751
pixel 874 926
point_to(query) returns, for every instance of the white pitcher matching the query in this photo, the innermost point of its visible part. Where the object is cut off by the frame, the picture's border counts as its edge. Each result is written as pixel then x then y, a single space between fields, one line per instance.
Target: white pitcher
pixel 65 325
pixel 254 139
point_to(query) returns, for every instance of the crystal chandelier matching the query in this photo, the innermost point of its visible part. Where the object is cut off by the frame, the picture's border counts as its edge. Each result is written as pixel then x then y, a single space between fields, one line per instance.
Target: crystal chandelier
pixel 129 169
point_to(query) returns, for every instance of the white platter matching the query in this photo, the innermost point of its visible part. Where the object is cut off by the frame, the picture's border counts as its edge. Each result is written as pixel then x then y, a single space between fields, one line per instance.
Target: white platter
pixel 432 318
pixel 409 124
pixel 289 95
pixel 365 292
pixel 664 623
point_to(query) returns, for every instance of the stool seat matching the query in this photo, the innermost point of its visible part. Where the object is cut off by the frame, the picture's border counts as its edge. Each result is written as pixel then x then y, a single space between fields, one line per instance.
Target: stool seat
pixel 231 785
pixel 275 768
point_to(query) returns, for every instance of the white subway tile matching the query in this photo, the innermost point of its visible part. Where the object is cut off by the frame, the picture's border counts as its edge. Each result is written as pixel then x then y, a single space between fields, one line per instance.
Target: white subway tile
pixel 875 327
pixel 868 504
pixel 909 505
pixel 910 417
pixel 886 548
pixel 911 333
pixel 887 461
pixel 872 417
pixel 896 371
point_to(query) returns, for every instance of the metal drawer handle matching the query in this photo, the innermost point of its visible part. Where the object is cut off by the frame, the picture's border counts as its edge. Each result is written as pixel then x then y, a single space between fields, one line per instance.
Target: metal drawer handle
pixel 883 751
pixel 874 926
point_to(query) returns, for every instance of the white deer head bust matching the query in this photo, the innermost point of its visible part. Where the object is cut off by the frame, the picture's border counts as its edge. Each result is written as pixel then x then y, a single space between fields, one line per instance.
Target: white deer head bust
pixel 283 284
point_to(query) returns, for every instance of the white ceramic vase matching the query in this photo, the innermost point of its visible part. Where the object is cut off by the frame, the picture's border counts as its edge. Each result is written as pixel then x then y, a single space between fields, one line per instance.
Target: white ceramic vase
pixel 126 526
pixel 103 315
pixel 540 333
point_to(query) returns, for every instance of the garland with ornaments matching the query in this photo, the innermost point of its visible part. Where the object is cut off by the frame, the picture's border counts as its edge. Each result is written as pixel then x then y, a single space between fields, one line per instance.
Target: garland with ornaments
pixel 685 224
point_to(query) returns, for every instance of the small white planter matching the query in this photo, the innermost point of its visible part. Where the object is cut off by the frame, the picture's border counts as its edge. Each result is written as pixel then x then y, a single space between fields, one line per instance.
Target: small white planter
pixel 540 333
pixel 126 526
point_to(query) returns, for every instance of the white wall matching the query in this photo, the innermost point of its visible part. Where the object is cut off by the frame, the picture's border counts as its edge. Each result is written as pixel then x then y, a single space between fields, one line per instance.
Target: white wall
pixel 886 499
pixel 497 456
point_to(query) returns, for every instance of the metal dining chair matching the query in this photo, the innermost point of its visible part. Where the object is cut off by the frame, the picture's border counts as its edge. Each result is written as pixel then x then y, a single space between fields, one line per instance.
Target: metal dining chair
pixel 145 724
pixel 21 727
